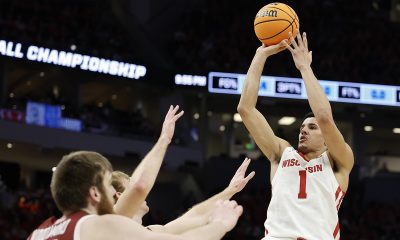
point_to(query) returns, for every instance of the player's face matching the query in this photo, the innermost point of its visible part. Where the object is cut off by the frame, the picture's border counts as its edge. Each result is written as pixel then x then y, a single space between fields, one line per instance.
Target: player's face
pixel 143 210
pixel 310 136
pixel 106 200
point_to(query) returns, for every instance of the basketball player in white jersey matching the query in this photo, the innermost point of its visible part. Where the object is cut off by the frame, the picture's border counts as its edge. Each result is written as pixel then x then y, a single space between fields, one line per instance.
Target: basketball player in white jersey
pixel 308 183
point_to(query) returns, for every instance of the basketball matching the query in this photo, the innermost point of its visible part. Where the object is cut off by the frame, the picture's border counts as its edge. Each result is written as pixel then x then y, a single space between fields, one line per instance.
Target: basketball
pixel 273 23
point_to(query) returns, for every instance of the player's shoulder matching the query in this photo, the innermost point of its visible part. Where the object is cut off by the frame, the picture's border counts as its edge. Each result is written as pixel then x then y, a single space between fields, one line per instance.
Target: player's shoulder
pixel 48 222
pixel 286 151
pixel 109 221
pixel 109 226
pixel 289 149
pixel 106 218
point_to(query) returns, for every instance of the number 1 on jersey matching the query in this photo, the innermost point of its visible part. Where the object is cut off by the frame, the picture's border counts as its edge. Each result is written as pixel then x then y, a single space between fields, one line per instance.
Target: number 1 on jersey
pixel 303 182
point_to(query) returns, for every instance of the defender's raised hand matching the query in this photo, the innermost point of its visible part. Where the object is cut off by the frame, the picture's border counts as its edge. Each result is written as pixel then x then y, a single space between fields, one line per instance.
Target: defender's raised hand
pixel 168 127
pixel 227 213
pixel 239 181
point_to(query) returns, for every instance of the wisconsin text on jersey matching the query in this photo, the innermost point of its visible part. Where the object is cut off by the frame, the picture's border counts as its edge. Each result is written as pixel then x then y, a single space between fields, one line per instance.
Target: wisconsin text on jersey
pixel 293 162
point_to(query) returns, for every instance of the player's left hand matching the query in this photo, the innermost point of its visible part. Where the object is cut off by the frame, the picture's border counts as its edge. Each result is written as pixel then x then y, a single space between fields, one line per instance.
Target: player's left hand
pixel 301 55
pixel 227 213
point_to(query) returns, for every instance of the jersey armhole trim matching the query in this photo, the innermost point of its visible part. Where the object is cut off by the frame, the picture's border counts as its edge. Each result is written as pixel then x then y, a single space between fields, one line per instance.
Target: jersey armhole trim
pixel 333 172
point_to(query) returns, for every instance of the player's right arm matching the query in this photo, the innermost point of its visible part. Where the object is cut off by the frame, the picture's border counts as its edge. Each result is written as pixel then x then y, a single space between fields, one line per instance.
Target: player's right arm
pixel 271 145
pixel 144 176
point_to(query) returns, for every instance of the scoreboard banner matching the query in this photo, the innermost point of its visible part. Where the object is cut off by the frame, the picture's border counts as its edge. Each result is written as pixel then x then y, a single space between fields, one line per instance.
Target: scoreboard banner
pixel 294 88
pixel 71 60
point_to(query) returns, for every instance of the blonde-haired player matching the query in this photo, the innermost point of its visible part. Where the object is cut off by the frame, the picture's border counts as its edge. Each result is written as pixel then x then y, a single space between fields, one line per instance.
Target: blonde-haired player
pixel 120 182
pixel 308 184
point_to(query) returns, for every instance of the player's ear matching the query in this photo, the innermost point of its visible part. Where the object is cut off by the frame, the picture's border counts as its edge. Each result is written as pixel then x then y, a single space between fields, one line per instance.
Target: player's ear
pixel 94 194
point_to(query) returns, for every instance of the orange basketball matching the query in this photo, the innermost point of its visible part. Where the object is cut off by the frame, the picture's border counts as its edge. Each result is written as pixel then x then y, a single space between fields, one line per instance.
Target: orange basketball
pixel 274 21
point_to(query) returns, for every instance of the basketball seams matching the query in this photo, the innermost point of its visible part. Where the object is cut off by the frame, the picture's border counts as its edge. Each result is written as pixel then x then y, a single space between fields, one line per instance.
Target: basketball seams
pixel 293 18
pixel 292 11
pixel 291 24
pixel 273 20
pixel 296 17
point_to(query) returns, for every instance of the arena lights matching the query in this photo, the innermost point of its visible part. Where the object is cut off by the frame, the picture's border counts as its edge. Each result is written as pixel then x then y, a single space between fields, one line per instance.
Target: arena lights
pixel 286 120
pixel 368 128
pixel 237 117
pixel 294 88
pixel 396 130
pixel 72 60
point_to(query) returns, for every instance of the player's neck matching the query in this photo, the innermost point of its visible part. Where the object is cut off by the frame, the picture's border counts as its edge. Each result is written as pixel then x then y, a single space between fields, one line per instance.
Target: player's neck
pixel 90 209
pixel 69 213
pixel 313 154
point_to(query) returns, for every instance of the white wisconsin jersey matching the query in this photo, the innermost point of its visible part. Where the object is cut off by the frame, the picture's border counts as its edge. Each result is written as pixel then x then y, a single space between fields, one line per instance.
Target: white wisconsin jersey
pixel 305 199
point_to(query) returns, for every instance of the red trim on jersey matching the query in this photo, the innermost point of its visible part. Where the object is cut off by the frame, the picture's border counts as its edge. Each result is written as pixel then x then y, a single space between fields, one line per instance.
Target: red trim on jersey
pixel 303 156
pixel 337 192
pixel 266 232
pixel 337 228
pixel 340 201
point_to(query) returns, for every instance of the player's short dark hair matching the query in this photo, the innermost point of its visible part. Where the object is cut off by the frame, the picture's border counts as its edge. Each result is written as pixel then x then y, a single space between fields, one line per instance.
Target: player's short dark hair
pixel 76 173
pixel 308 115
